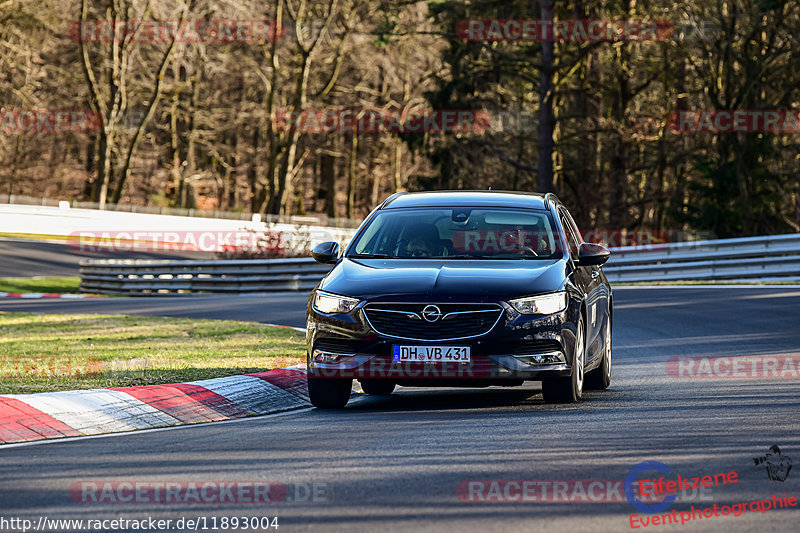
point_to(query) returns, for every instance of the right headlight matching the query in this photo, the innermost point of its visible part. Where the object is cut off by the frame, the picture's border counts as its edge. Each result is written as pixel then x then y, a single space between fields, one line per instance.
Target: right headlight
pixel 544 304
pixel 325 302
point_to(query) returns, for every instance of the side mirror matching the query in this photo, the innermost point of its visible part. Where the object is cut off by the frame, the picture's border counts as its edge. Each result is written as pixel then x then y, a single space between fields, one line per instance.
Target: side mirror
pixel 326 252
pixel 590 254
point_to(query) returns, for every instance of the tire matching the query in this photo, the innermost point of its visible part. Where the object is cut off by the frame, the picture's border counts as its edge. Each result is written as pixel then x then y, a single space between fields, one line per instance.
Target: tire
pixel 377 387
pixel 600 377
pixel 569 389
pixel 329 393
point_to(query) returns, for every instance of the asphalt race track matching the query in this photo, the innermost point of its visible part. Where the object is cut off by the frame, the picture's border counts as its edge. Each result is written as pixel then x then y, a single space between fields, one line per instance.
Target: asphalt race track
pixel 22 257
pixel 400 463
pixel 286 308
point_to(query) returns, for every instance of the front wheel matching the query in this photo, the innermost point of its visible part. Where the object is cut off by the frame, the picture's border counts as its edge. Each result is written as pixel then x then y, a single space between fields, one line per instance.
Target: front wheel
pixel 600 377
pixel 329 393
pixel 569 389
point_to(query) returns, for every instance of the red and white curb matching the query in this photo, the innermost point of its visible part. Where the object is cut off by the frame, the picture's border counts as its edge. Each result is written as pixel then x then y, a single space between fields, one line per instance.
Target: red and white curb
pixel 46 295
pixel 30 417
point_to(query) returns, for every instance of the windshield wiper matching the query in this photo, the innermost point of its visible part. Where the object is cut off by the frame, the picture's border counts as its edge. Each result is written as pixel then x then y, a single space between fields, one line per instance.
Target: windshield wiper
pixel 488 256
pixel 369 256
pixel 463 256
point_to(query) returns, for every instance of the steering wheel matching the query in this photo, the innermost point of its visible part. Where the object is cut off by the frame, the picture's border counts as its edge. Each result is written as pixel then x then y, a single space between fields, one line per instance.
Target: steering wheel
pixel 402 246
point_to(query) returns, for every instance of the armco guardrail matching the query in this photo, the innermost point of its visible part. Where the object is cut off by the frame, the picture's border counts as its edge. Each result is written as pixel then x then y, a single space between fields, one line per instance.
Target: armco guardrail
pixel 753 258
pixel 136 276
pixel 746 258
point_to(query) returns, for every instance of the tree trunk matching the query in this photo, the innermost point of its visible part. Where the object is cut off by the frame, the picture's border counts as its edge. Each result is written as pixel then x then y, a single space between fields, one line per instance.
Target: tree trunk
pixel 351 174
pixel 618 171
pixel 544 180
pixel 106 141
pixel 797 198
pixel 376 183
pixel 257 192
pixel 398 153
pixel 155 97
pixel 263 200
pixel 328 171
pixel 290 149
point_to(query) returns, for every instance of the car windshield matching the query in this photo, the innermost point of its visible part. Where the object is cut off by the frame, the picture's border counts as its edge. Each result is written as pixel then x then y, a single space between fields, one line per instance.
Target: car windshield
pixel 458 233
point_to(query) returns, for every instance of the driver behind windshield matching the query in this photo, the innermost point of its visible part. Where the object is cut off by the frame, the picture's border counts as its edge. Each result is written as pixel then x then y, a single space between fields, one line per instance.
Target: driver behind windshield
pixel 424 241
pixel 419 247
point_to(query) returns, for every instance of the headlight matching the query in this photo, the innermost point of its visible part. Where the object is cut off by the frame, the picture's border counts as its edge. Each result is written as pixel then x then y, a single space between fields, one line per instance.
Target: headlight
pixel 546 304
pixel 325 302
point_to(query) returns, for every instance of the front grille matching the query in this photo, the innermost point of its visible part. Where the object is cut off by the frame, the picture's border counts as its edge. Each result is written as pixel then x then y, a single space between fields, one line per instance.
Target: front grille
pixel 457 321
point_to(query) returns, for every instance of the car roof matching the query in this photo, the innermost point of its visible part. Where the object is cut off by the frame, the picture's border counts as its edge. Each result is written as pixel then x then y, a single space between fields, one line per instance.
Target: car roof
pixel 469 199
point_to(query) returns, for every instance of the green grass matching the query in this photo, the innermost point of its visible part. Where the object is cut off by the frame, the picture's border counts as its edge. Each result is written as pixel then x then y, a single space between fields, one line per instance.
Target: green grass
pixel 40 352
pixel 59 285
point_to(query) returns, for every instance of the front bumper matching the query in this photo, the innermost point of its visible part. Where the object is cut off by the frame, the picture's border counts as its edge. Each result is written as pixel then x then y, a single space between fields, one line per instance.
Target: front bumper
pixel 518 347
pixel 480 368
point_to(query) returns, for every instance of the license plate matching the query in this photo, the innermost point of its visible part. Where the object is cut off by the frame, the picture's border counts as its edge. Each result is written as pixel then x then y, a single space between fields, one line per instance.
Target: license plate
pixel 435 354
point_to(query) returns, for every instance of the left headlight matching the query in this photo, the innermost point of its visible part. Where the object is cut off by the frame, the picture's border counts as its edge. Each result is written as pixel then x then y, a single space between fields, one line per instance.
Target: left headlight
pixel 545 304
pixel 325 302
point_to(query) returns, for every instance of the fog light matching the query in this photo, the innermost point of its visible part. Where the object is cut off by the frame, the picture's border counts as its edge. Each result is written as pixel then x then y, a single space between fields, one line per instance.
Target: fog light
pixel 550 358
pixel 326 357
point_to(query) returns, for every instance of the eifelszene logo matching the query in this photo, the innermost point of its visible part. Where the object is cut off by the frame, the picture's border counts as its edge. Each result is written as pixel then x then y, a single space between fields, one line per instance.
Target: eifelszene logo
pixel 632 478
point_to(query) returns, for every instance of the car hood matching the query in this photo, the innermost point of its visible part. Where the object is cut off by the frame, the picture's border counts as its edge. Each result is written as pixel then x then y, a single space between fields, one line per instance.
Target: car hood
pixel 444 280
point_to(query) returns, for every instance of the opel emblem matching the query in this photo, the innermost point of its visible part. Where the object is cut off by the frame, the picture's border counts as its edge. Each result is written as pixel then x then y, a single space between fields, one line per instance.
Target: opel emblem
pixel 431 313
